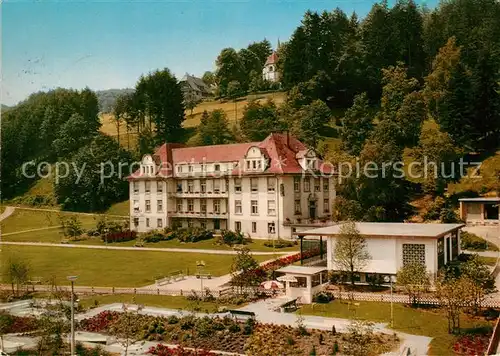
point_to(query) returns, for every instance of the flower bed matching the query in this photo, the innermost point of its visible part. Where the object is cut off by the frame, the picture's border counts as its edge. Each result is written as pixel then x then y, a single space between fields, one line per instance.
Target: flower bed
pixel 120 236
pixel 100 322
pixel 470 345
pixel 162 350
pixel 17 324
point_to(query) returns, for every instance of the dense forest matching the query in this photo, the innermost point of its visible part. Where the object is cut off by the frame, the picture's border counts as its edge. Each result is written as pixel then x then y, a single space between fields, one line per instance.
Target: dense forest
pixel 401 84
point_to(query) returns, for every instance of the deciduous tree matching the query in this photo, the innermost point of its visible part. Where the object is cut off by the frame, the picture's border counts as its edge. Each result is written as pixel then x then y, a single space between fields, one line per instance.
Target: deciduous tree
pixel 415 280
pixel 357 125
pixel 351 252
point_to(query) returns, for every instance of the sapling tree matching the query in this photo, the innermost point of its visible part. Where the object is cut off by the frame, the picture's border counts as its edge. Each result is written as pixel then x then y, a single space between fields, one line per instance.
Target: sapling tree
pixel 351 253
pixel 415 280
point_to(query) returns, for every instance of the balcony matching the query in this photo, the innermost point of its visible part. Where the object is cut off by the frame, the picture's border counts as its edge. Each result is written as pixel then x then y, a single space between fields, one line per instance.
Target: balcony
pixel 219 194
pixel 306 222
pixel 198 215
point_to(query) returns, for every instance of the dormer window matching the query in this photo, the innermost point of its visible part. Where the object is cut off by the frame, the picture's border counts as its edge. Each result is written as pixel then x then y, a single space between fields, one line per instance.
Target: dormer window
pixel 255 160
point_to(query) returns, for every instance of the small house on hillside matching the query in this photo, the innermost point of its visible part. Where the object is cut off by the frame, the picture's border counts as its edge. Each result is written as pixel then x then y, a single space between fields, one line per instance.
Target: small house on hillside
pixel 270 70
pixel 480 211
pixel 194 88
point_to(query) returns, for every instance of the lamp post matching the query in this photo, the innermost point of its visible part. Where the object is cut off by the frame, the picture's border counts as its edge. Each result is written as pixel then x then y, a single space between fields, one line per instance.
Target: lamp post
pixel 72 279
pixel 391 279
pixel 200 265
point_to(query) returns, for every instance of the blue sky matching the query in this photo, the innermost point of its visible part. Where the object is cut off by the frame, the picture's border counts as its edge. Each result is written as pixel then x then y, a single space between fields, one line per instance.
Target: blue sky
pixel 109 44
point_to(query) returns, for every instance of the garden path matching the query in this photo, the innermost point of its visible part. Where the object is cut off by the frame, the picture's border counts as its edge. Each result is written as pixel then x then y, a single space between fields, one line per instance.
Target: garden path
pixel 131 248
pixel 7 212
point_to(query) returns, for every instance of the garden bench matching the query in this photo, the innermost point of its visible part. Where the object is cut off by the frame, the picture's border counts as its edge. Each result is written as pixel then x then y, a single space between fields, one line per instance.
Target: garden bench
pixel 290 306
pixel 204 275
pixel 177 275
pixel 241 315
pixel 162 281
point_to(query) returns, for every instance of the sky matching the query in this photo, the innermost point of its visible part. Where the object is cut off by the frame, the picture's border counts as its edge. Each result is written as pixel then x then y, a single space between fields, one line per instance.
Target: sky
pixel 109 44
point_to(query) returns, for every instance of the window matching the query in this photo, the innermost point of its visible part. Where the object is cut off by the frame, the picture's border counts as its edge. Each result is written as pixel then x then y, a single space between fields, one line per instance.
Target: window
pixel 248 165
pixel 190 168
pixel 136 206
pixel 254 184
pixel 217 206
pixel 136 187
pixel 179 205
pixel 297 208
pixel 190 186
pixel 147 185
pixel 315 280
pixel 326 205
pixel 159 223
pixel 136 222
pixel 190 205
pixel 190 223
pixel 254 226
pixel 216 185
pixel 307 184
pixel 254 164
pixel 203 206
pixel 414 253
pixel 317 185
pixel 237 185
pixel 237 207
pixel 147 222
pixel 203 185
pixel 271 185
pixel 217 167
pixel 326 185
pixel 203 225
pixel 301 282
pixel 159 206
pixel 237 226
pixel 271 227
pixel 148 206
pixel 179 169
pixel 259 164
pixel 159 187
pixel 254 207
pixel 296 184
pixel 271 207
pixel 179 187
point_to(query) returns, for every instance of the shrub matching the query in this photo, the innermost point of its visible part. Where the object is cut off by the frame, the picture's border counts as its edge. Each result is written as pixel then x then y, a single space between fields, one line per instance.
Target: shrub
pixel 120 236
pixel 279 243
pixel 172 319
pixel 230 238
pixel 234 328
pixel 470 241
pixel 323 297
pixel 193 234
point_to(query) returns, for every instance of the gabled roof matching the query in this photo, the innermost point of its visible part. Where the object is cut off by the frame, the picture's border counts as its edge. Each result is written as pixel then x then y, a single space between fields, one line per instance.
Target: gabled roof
pixel 272 59
pixel 280 149
pixel 195 83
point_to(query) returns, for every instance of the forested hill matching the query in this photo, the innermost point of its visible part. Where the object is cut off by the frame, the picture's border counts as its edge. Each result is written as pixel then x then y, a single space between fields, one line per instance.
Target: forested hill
pixel 107 98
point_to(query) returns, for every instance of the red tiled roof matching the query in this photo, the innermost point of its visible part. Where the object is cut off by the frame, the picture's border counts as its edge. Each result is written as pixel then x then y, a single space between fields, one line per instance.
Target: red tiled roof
pixel 280 149
pixel 273 58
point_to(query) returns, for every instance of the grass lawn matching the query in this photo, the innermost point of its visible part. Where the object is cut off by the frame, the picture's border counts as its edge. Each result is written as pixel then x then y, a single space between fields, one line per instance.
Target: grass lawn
pixel 430 322
pixel 22 220
pixel 160 301
pixel 110 267
pixel 121 208
pixel 490 261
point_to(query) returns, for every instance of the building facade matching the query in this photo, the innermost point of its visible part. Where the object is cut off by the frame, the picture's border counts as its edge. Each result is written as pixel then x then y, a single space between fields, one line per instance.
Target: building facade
pixel 480 211
pixel 195 89
pixel 257 188
pixel 270 70
pixel 392 245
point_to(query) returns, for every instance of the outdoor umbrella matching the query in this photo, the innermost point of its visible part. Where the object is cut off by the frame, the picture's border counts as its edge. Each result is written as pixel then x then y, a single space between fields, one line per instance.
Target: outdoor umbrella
pixel 271 285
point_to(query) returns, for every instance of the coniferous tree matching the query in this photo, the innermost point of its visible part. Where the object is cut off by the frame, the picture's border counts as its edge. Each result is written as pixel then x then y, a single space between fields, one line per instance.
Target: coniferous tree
pixel 357 125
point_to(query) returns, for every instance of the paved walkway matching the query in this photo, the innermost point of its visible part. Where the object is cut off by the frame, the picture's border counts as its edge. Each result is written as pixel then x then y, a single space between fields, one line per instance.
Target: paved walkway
pixel 493 254
pixel 6 213
pixel 131 248
pixel 67 212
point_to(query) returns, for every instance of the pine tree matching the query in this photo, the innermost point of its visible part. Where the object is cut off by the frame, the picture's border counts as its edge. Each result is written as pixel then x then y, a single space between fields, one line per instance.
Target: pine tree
pixel 356 125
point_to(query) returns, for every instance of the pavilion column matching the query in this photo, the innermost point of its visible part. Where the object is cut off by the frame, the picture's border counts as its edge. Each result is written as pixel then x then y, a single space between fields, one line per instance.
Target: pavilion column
pixel 321 246
pixel 301 250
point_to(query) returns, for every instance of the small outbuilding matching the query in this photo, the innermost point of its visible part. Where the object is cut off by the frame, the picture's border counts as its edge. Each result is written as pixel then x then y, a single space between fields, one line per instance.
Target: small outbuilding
pixel 392 245
pixel 303 282
pixel 480 211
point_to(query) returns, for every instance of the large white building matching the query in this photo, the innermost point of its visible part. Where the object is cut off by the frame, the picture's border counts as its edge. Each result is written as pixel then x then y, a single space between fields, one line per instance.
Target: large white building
pixel 264 189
